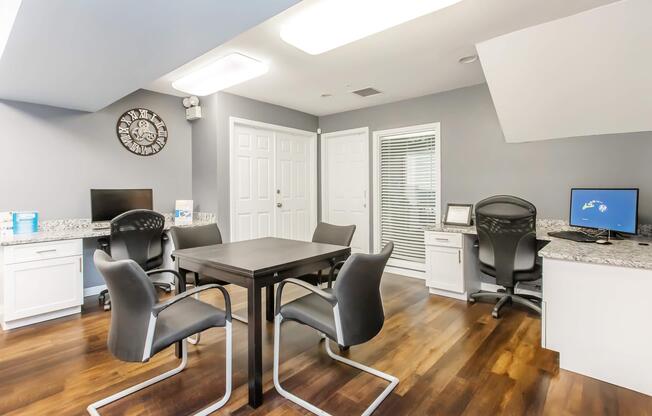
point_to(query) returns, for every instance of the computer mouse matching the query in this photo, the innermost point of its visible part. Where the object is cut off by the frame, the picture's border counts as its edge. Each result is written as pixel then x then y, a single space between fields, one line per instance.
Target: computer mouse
pixel 605 242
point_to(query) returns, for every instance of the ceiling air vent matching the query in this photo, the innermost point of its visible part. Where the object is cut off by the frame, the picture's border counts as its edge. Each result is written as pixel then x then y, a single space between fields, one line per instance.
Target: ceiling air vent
pixel 366 92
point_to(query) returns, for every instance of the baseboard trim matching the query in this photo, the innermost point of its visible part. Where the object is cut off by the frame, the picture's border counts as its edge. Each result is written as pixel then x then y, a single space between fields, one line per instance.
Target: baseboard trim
pixel 406 272
pixel 93 290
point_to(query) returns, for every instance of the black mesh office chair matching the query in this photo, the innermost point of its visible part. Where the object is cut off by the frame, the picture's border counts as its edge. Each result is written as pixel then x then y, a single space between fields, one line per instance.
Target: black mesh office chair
pixel 199 236
pixel 141 326
pixel 137 235
pixel 350 314
pixel 339 235
pixel 508 248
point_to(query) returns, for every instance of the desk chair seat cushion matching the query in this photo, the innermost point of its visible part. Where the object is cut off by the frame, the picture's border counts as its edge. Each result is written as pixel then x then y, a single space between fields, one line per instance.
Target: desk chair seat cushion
pixel 519 276
pixel 313 311
pixel 183 319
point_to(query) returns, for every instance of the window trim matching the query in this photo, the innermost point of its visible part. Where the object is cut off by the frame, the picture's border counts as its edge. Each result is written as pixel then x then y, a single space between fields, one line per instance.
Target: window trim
pixel 402 131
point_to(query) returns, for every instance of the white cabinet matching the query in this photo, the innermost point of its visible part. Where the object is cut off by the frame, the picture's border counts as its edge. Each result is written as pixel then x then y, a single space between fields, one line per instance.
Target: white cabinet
pixel 40 281
pixel 447 264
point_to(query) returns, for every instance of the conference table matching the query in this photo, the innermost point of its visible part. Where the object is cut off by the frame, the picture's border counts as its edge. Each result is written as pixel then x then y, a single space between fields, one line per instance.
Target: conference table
pixel 254 265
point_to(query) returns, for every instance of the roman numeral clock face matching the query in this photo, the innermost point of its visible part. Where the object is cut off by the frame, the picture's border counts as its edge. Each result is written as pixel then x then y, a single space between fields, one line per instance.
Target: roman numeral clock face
pixel 142 132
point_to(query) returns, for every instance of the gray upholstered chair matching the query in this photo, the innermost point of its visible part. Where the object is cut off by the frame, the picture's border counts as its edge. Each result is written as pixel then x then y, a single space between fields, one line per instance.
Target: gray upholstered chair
pixel 508 248
pixel 350 314
pixel 141 326
pixel 339 235
pixel 199 236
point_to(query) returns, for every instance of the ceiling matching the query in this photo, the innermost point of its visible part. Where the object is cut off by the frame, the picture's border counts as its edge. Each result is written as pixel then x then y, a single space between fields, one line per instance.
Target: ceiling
pixel 584 75
pixel 85 55
pixel 413 59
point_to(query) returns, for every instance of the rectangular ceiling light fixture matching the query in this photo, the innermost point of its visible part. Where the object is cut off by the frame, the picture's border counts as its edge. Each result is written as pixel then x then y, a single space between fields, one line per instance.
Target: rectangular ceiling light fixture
pixel 8 13
pixel 220 74
pixel 328 24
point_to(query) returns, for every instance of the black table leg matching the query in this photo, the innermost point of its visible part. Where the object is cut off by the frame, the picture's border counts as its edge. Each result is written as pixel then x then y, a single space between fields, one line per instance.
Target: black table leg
pixel 269 304
pixel 180 287
pixel 254 307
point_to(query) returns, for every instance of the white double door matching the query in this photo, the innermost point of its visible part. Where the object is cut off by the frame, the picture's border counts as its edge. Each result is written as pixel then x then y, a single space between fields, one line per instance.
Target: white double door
pixel 273 182
pixel 345 182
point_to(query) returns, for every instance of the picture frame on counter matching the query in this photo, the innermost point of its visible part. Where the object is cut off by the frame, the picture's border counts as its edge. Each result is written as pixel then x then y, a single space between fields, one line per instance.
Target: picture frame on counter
pixel 458 214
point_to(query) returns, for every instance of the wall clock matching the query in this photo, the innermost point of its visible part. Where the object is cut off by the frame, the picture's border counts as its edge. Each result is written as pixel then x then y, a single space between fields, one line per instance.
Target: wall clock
pixel 142 131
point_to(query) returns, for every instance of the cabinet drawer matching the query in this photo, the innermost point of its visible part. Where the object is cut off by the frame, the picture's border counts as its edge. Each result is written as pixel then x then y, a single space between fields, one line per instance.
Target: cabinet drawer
pixel 41 251
pixel 443 239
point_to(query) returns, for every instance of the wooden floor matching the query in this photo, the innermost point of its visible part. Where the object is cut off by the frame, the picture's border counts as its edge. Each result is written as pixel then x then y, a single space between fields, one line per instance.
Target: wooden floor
pixel 451 359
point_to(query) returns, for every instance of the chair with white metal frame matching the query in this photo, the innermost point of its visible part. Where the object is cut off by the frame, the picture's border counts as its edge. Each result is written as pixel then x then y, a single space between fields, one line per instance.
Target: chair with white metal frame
pixel 141 326
pixel 350 314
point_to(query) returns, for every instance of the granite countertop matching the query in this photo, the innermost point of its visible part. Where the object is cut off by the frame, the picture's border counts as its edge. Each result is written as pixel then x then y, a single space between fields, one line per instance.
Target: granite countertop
pixel 623 253
pixel 72 229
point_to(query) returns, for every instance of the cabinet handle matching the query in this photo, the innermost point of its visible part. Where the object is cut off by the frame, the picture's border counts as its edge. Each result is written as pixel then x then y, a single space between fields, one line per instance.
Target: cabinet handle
pixel 459 256
pixel 441 239
pixel 80 265
pixel 46 251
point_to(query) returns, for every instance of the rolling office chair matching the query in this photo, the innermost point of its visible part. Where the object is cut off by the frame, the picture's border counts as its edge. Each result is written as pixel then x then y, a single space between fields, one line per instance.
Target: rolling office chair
pixel 507 235
pixel 137 235
pixel 339 235
pixel 141 326
pixel 190 237
pixel 350 314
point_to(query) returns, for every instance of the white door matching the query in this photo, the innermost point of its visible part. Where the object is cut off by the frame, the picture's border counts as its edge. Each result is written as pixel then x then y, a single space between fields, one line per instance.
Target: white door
pixel 273 181
pixel 253 188
pixel 345 182
pixel 293 187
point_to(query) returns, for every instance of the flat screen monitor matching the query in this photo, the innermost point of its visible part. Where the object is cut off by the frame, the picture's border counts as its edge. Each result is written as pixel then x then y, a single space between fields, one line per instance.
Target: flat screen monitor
pixel 605 209
pixel 107 204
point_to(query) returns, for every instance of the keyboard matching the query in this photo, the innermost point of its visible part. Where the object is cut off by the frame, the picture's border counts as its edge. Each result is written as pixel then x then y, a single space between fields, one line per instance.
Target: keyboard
pixel 576 236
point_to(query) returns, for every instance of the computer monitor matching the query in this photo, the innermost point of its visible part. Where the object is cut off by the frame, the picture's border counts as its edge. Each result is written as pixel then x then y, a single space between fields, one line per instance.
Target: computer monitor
pixel 107 204
pixel 605 209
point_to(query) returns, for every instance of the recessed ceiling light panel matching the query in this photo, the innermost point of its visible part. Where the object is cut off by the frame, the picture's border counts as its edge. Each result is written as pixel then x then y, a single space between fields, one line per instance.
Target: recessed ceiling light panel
pixel 328 24
pixel 220 74
pixel 8 13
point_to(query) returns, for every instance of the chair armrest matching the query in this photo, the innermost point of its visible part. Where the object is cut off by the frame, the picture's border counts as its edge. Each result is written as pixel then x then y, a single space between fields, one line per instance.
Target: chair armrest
pixel 174 272
pixel 161 306
pixel 328 297
pixel 331 274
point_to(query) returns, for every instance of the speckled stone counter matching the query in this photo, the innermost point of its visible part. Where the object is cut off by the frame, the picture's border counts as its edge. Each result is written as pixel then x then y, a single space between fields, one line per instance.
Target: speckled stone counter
pixel 623 253
pixel 71 229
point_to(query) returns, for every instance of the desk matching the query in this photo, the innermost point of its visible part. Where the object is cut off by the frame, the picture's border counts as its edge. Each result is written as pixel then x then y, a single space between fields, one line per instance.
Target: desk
pixel 254 265
pixel 42 274
pixel 596 310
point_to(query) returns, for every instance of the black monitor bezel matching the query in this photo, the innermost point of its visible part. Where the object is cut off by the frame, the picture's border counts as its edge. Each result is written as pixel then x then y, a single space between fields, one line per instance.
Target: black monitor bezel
pixel 150 190
pixel 570 208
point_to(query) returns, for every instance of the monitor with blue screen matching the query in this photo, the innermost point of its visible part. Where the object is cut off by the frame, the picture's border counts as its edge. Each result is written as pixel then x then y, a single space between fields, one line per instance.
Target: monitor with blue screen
pixel 605 209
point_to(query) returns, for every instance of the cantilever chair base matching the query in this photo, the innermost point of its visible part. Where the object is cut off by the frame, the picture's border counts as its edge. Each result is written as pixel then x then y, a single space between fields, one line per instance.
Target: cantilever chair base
pixel 93 408
pixel 393 381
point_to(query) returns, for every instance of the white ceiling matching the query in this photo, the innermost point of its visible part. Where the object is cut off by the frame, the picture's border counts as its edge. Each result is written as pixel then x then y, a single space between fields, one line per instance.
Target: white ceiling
pixel 85 55
pixel 584 75
pixel 414 59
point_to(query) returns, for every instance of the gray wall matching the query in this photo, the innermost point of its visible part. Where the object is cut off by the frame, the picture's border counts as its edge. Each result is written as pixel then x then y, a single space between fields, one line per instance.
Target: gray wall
pixel 51 157
pixel 476 161
pixel 211 146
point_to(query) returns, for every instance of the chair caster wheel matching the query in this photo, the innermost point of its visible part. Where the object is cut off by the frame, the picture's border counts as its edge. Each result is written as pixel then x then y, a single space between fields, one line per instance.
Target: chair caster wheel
pixel 494 314
pixel 168 290
pixel 100 300
pixel 471 300
pixel 107 307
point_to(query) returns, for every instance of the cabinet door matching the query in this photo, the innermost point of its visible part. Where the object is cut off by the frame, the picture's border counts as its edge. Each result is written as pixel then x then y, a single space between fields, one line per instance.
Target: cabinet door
pixel 445 269
pixel 37 287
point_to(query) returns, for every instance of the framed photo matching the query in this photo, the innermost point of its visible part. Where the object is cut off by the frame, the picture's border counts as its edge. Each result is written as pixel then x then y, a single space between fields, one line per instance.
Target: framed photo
pixel 458 214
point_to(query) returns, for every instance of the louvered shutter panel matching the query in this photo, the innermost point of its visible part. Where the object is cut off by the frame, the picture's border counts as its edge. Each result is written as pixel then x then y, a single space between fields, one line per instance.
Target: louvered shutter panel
pixel 408 169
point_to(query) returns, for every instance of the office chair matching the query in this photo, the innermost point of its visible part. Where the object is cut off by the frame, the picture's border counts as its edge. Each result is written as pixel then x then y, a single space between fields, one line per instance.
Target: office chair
pixel 506 228
pixel 190 237
pixel 141 326
pixel 339 235
pixel 137 235
pixel 350 314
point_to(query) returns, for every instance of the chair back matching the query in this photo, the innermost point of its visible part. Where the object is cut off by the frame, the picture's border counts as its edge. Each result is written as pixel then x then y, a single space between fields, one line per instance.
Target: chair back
pixel 138 235
pixel 132 298
pixel 339 235
pixel 506 228
pixel 357 291
pixel 189 237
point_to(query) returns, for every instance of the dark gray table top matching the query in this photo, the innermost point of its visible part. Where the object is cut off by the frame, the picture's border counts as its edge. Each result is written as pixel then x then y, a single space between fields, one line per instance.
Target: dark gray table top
pixel 261 256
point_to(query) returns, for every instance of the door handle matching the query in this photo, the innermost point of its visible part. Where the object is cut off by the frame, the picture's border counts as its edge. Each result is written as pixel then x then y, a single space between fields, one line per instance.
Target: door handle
pixel 279 205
